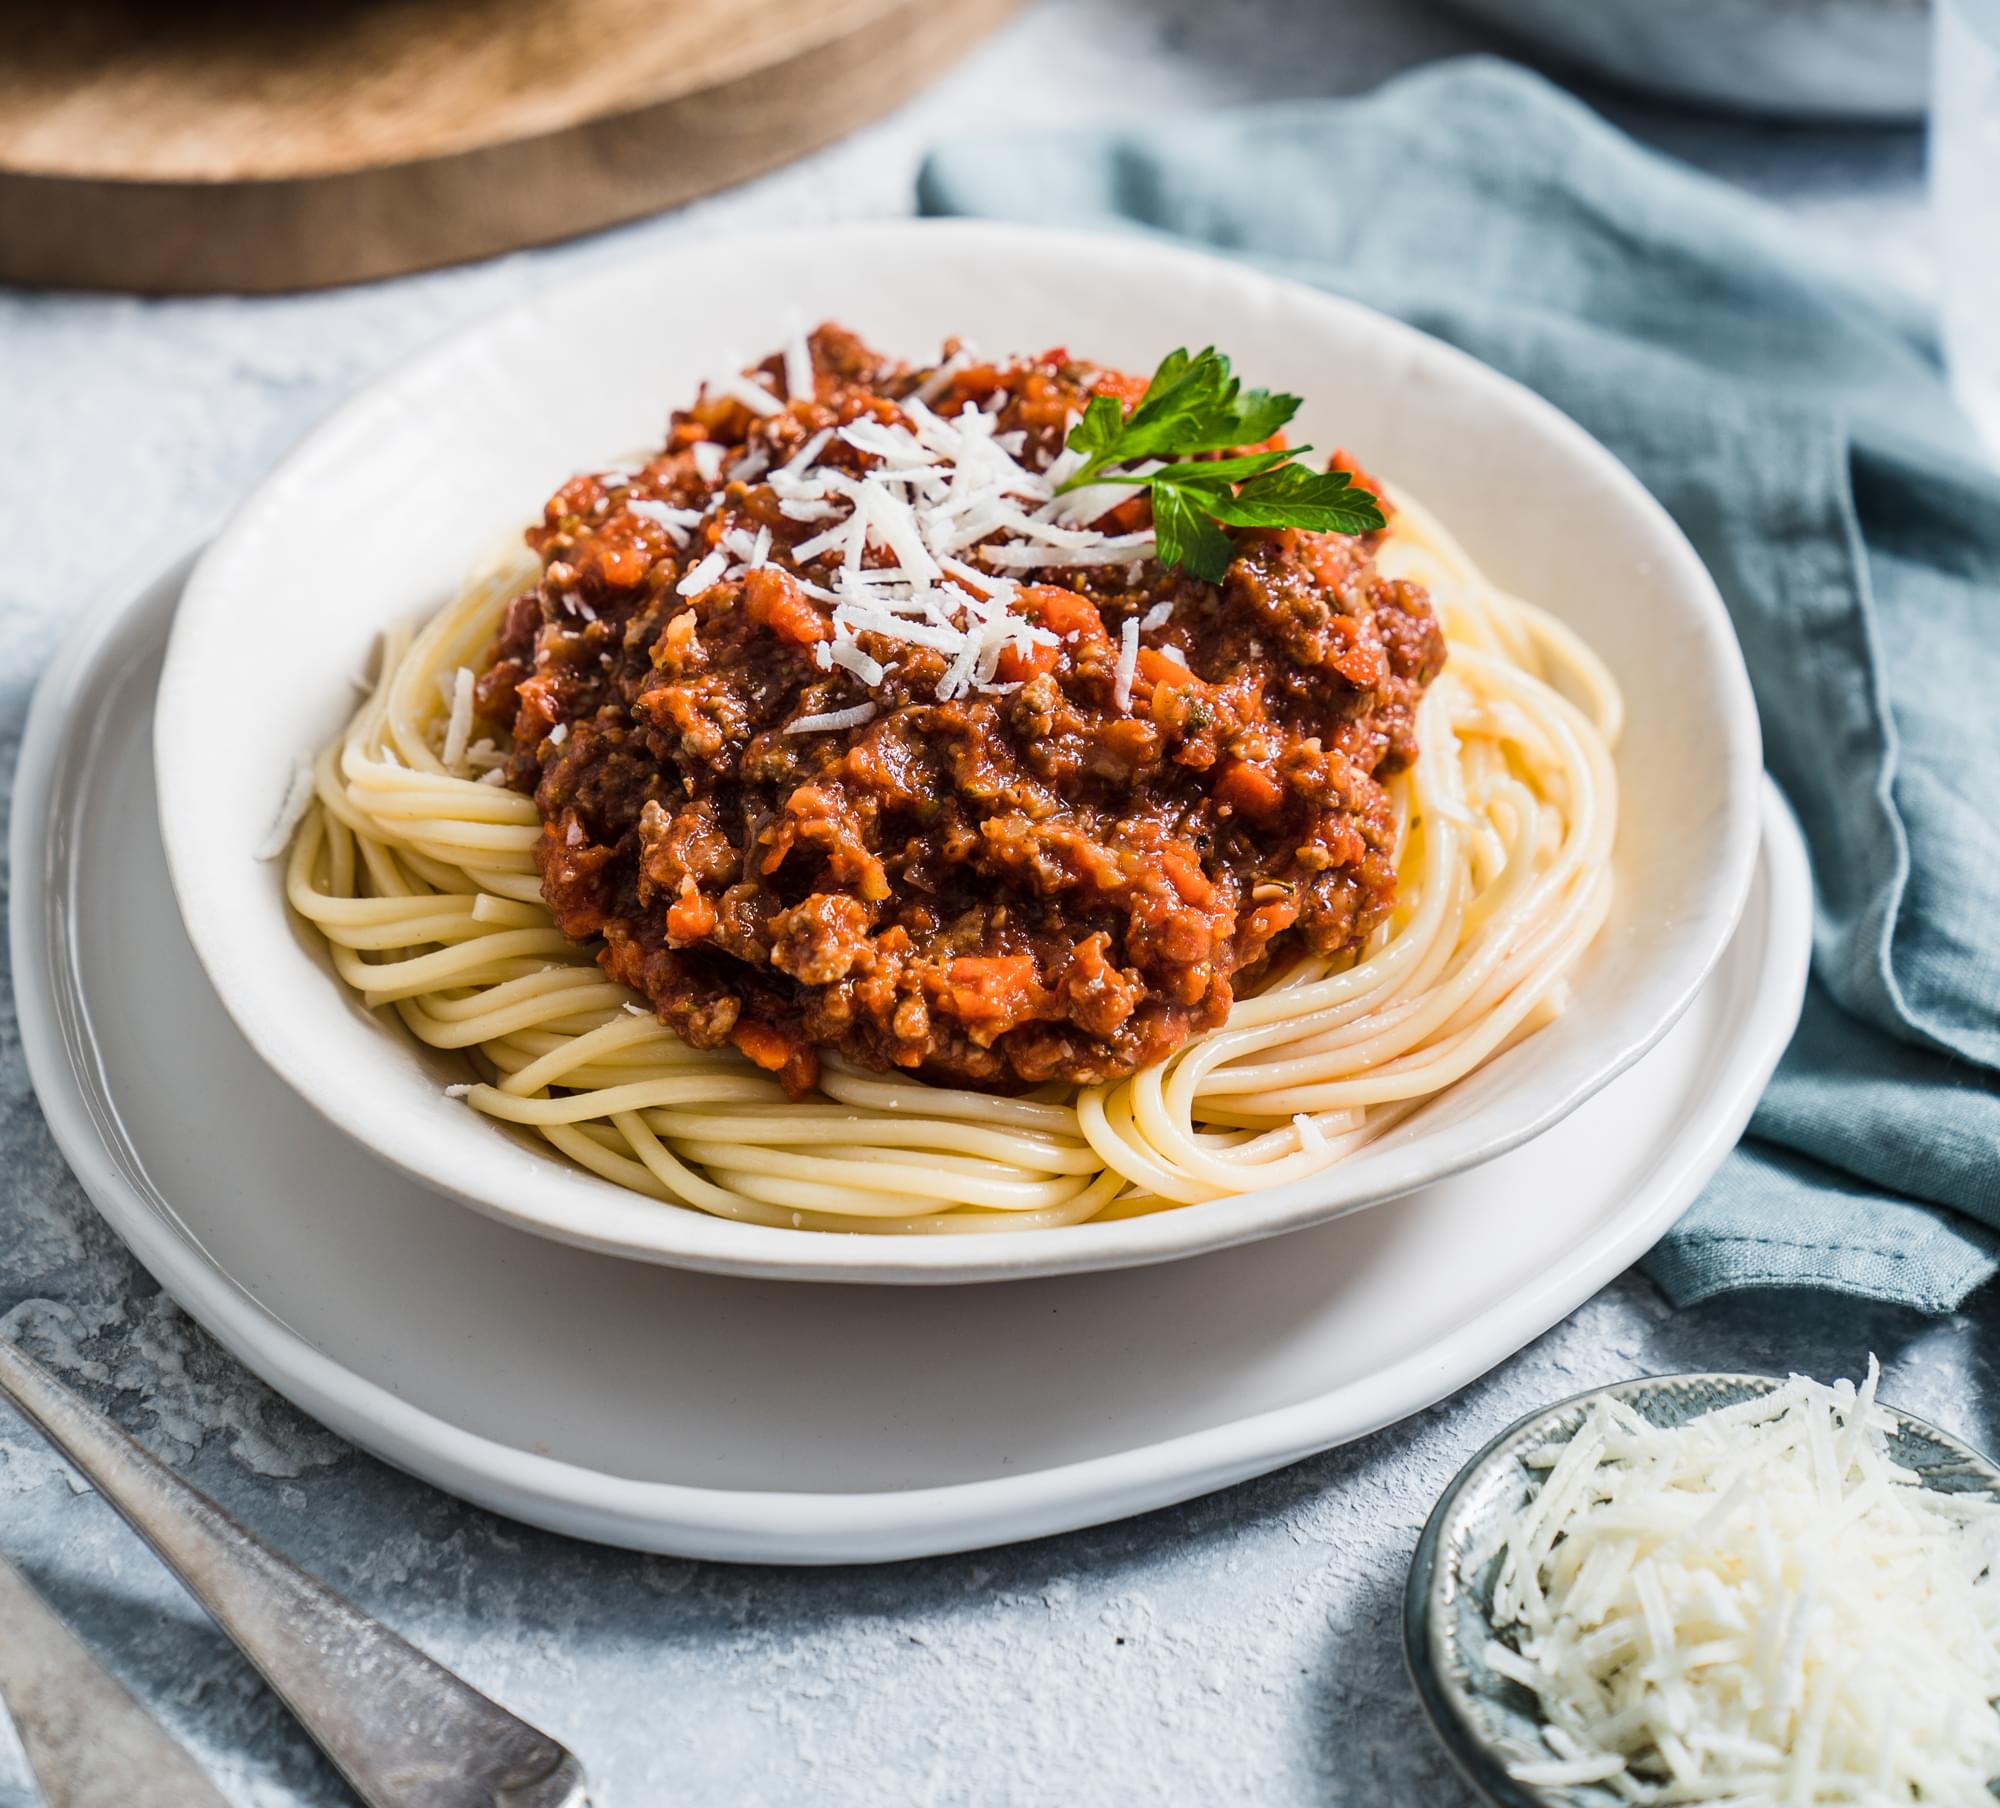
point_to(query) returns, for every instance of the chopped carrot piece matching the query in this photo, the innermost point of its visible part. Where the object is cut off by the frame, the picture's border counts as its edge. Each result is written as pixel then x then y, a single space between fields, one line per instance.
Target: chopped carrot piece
pixel 1186 876
pixel 1121 384
pixel 774 601
pixel 690 917
pixel 1019 664
pixel 766 1046
pixel 988 986
pixel 1271 919
pixel 1253 790
pixel 1062 611
pixel 1156 668
pixel 1132 514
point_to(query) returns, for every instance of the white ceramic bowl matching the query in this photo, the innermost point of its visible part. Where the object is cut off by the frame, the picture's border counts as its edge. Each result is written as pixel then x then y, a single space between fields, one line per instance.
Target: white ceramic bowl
pixel 376 515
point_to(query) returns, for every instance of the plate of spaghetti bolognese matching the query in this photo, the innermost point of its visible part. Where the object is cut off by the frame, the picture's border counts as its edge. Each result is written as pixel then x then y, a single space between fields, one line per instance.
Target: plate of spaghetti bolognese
pixel 949 752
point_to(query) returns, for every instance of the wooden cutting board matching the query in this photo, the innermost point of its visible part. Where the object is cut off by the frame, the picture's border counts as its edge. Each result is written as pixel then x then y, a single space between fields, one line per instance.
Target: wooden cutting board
pixel 184 145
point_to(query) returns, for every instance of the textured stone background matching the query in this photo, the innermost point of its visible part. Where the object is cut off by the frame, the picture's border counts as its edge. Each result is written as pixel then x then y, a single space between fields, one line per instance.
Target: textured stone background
pixel 1239 1650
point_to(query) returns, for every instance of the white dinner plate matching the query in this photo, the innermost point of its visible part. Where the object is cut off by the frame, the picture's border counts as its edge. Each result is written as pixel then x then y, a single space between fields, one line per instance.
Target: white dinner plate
pixel 718 1416
pixel 375 517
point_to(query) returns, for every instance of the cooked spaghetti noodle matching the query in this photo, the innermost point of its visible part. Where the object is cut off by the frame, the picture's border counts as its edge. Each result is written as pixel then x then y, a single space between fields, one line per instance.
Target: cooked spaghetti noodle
pixel 422 878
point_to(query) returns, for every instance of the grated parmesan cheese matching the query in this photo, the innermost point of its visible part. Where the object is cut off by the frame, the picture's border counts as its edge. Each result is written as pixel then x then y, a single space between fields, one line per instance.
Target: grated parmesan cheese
pixel 703 576
pixel 1128 662
pixel 802 459
pixel 1759 1606
pixel 291 812
pixel 939 380
pixel 750 392
pixel 922 542
pixel 676 521
pixel 833 719
pixel 799 384
pixel 846 653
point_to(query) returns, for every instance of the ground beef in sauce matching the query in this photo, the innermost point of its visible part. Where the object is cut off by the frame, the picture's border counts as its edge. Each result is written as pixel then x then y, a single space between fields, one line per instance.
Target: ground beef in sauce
pixel 1001 890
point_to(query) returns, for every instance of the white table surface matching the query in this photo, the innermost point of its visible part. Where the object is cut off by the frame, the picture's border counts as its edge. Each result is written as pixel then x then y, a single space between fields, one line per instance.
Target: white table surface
pixel 1242 1649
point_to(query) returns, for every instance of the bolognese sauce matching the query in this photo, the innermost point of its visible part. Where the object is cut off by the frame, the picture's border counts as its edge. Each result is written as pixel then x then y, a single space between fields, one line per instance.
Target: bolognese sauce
pixel 792 835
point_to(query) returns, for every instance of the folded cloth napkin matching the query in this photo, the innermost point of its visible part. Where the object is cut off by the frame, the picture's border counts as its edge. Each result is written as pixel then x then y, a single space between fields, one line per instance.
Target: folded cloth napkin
pixel 1791 412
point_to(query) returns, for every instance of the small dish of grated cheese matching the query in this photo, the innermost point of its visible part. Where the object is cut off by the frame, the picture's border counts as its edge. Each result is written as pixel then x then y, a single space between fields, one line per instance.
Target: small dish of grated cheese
pixel 1720 1589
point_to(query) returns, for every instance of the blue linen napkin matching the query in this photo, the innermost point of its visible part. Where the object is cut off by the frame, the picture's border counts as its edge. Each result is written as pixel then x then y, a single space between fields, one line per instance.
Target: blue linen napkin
pixel 1792 414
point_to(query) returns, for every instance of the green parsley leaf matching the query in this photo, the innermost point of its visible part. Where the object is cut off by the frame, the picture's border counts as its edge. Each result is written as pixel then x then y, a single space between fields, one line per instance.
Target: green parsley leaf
pixel 1195 405
pixel 1213 473
pixel 1097 433
pixel 1322 502
pixel 1187 537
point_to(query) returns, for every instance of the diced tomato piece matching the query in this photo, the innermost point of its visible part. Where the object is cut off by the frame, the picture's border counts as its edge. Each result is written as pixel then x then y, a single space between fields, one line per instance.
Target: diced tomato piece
pixel 1122 384
pixel 1131 515
pixel 776 602
pixel 690 917
pixel 1062 612
pixel 540 707
pixel 763 1043
pixel 784 1052
pixel 976 382
pixel 1186 876
pixel 1019 664
pixel 1253 790
pixel 1270 919
pixel 1344 460
pixel 989 987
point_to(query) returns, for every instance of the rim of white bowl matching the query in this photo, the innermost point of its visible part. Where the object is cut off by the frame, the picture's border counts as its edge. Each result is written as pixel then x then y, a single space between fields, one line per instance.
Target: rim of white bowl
pixel 765 1525
pixel 226 911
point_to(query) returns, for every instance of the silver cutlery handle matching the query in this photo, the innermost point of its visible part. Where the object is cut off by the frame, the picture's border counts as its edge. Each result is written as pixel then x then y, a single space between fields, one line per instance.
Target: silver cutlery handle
pixel 402 1729
pixel 88 1742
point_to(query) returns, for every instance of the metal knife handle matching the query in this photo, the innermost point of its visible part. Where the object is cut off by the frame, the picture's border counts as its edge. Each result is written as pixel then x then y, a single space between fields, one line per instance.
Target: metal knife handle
pixel 402 1729
pixel 88 1742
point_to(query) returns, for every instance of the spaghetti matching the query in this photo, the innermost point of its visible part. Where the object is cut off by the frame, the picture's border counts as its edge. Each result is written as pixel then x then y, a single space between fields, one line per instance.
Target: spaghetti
pixel 419 870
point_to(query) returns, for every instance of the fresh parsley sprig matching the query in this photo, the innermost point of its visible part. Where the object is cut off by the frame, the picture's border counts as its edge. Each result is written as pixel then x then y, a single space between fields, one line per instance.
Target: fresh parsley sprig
pixel 1194 405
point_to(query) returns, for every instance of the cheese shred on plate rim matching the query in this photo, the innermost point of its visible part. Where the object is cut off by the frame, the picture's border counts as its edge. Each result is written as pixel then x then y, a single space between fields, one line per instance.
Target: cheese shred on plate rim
pixel 1754 1609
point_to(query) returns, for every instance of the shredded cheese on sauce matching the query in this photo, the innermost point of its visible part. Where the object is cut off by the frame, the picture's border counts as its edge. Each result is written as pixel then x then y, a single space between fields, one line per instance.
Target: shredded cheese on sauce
pixel 750 392
pixel 703 576
pixel 1128 663
pixel 833 718
pixel 897 539
pixel 676 521
pixel 1759 1606
pixel 798 367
